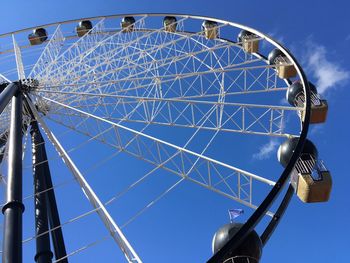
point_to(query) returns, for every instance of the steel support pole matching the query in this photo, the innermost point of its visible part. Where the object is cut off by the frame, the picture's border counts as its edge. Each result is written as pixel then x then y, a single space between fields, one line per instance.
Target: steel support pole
pixel 13 209
pixel 5 96
pixel 43 251
pixel 54 218
pixel 52 210
pixel 55 223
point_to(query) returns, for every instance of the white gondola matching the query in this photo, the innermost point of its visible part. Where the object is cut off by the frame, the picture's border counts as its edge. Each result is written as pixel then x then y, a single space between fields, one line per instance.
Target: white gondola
pixel 127 24
pixel 83 27
pixel 170 24
pixel 319 107
pixel 311 180
pixel 285 69
pixel 210 29
pixel 249 41
pixel 38 36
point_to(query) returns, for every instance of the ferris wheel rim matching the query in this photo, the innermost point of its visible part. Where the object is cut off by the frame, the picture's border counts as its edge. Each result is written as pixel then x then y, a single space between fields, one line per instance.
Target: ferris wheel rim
pixel 307 107
pixel 264 36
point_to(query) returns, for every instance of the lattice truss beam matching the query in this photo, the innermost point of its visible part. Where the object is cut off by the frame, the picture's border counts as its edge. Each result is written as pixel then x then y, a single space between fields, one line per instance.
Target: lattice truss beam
pixel 219 177
pixel 223 116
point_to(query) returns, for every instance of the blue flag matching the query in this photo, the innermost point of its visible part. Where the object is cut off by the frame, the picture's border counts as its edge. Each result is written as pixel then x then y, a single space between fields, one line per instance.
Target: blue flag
pixel 233 213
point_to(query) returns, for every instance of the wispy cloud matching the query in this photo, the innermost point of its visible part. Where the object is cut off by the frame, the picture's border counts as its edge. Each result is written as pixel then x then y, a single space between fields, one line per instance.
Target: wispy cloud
pixel 277 36
pixel 266 150
pixel 328 74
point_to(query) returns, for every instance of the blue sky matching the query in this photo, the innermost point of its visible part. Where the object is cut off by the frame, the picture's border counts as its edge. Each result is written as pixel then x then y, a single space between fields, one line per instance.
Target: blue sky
pixel 318 35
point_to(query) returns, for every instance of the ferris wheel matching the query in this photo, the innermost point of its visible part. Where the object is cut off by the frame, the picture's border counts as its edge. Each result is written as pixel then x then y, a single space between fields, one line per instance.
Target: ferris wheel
pixel 133 111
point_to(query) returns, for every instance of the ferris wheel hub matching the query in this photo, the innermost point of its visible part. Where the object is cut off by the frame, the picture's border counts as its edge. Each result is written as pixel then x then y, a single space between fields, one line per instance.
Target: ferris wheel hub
pixel 29 84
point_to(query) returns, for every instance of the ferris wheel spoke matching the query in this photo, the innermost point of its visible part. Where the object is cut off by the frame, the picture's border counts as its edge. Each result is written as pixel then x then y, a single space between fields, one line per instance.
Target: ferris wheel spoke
pixel 194 87
pixel 3 79
pixel 233 117
pixel 222 186
pixel 163 99
pixel 233 93
pixel 62 98
pixel 83 248
pixel 153 202
pixel 180 161
pixel 18 57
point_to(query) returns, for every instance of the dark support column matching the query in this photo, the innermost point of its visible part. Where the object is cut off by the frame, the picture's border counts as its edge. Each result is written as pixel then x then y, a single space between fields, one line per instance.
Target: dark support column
pixel 43 252
pixel 5 96
pixel 53 215
pixel 278 215
pixel 13 209
pixel 54 219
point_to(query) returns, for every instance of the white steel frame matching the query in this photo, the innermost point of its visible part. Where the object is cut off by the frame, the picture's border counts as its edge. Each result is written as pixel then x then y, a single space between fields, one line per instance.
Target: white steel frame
pixel 108 77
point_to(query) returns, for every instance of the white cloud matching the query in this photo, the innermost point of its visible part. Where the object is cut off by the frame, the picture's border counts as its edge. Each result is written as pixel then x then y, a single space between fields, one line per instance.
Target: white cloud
pixel 266 150
pixel 328 74
pixel 276 36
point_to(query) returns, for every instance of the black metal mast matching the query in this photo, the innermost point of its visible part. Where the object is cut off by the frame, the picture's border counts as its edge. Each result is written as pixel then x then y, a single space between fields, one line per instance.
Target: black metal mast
pixel 49 200
pixel 54 220
pixel 48 206
pixel 13 209
pixel 43 252
pixel 9 91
